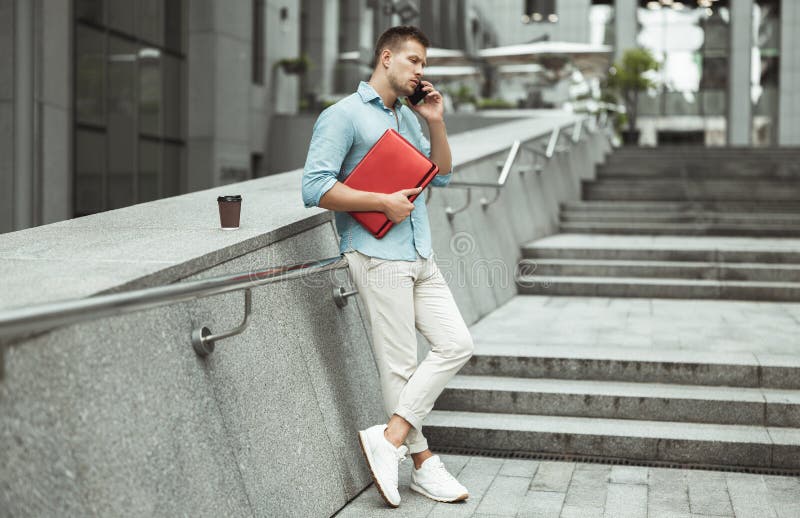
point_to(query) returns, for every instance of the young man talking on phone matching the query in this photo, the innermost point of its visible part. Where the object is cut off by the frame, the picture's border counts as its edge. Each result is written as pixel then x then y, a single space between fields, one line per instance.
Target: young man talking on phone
pixel 396 276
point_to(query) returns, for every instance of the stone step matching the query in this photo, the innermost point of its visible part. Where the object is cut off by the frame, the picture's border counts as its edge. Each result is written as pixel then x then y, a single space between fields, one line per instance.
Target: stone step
pixel 690 443
pixel 626 248
pixel 763 170
pixel 699 217
pixel 679 190
pixel 681 229
pixel 657 288
pixel 607 362
pixel 667 270
pixel 622 400
pixel 600 206
pixel 677 152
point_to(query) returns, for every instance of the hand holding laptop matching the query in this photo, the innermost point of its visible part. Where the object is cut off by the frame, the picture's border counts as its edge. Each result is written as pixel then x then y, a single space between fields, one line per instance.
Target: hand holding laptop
pixel 397 205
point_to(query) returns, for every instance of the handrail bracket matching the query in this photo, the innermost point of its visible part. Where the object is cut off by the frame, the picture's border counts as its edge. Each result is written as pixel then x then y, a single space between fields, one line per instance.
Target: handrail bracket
pixel 202 339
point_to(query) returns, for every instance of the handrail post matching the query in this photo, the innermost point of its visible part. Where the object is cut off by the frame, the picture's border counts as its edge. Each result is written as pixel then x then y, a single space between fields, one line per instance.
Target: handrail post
pixel 202 339
pixel 451 213
pixel 576 131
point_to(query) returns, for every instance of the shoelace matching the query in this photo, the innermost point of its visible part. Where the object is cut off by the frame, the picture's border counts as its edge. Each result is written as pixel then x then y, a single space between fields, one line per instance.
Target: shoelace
pixel 443 472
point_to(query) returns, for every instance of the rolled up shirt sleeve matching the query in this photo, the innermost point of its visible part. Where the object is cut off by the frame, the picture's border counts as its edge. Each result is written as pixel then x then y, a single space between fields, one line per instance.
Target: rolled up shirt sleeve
pixel 331 140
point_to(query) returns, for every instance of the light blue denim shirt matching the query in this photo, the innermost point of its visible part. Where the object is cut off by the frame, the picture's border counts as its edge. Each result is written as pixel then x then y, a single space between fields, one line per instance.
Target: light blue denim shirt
pixel 342 136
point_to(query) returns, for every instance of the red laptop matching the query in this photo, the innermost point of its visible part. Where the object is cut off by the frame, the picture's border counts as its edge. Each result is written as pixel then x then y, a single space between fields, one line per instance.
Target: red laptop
pixel 392 164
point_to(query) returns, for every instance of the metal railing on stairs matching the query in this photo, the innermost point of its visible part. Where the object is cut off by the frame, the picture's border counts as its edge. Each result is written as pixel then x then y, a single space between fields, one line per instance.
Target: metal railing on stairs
pixel 16 323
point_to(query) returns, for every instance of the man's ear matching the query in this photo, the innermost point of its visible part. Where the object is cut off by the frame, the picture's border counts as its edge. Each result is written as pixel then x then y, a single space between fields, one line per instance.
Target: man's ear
pixel 386 56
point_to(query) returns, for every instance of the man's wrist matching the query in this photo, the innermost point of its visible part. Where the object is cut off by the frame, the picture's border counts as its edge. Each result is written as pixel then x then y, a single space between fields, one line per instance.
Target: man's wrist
pixel 435 121
pixel 380 201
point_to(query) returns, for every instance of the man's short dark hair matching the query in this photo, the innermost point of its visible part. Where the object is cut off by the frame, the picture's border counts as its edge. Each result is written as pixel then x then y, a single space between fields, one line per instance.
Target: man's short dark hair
pixel 396 36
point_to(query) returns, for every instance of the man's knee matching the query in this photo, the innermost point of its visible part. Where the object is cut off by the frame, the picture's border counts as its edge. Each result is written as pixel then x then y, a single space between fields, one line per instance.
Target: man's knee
pixel 463 347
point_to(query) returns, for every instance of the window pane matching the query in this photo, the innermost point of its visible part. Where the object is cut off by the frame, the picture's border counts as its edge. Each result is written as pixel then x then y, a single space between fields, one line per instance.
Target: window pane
pixel 122 15
pixel 150 91
pixel 151 21
pixel 173 170
pixel 90 157
pixel 89 75
pixel 149 169
pixel 173 88
pixel 121 122
pixel 90 10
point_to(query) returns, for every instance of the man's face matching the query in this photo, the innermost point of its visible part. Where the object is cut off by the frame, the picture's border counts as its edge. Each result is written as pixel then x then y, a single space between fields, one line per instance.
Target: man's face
pixel 405 67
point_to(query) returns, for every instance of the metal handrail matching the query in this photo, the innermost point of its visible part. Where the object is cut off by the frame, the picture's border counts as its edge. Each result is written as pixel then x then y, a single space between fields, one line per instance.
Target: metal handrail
pixel 497 185
pixel 28 320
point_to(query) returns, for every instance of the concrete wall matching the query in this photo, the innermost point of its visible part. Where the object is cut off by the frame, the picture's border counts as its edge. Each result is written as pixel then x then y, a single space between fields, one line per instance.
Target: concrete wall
pixel 119 417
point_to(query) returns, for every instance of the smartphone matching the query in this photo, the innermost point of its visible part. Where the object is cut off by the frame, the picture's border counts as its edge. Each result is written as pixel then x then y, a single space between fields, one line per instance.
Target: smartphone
pixel 418 95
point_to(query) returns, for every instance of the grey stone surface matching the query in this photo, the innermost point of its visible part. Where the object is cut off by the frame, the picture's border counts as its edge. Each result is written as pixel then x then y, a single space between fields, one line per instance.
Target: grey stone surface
pixel 504 496
pixel 90 427
pixel 627 475
pixel 222 437
pixel 668 492
pixel 553 476
pixel 664 492
pixel 586 494
pixel 541 504
pixel 717 328
pixel 626 501
pixel 616 400
pixel 518 468
pixel 708 493
pixel 749 498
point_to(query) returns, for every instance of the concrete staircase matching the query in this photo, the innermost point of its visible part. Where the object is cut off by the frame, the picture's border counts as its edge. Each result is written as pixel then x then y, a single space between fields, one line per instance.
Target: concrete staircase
pixel 696 402
pixel 686 191
pixel 668 406
pixel 660 266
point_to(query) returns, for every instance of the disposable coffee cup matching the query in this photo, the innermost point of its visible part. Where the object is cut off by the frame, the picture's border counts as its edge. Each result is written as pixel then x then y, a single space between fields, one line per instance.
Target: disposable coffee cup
pixel 230 207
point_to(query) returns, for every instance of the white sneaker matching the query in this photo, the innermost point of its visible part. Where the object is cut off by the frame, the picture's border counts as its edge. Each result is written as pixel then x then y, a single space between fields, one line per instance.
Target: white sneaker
pixel 434 481
pixel 383 460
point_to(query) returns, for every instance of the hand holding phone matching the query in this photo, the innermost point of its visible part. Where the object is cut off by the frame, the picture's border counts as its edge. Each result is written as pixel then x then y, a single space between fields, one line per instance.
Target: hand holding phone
pixel 418 95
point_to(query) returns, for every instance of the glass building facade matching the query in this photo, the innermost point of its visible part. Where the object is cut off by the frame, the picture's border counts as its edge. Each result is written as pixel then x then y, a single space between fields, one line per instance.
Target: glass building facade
pixel 129 102
pixel 693 46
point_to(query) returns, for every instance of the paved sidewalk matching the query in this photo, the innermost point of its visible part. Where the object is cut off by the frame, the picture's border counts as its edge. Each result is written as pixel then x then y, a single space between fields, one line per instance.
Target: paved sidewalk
pixel 530 488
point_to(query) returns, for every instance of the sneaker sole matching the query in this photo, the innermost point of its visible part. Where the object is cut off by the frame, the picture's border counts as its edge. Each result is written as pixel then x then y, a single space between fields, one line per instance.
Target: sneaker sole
pixel 421 491
pixel 368 457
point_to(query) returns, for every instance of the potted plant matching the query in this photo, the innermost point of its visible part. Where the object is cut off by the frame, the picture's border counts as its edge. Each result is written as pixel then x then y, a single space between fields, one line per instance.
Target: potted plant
pixel 297 65
pixel 628 77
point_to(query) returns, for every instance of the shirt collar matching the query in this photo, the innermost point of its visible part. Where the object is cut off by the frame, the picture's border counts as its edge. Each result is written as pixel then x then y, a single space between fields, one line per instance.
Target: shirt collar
pixel 368 94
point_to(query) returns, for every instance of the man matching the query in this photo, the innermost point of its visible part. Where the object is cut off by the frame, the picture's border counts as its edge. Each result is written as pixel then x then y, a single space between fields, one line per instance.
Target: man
pixel 396 276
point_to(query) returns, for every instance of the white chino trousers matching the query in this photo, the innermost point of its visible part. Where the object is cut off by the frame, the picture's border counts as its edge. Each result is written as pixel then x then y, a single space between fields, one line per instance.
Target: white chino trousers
pixel 401 296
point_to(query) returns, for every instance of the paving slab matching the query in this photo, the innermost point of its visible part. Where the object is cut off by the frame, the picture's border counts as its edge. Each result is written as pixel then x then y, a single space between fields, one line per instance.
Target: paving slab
pixel 560 489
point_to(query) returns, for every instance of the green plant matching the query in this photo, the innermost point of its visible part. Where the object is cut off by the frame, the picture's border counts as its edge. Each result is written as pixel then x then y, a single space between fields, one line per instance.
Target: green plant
pixel 493 103
pixel 299 65
pixel 464 95
pixel 628 77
